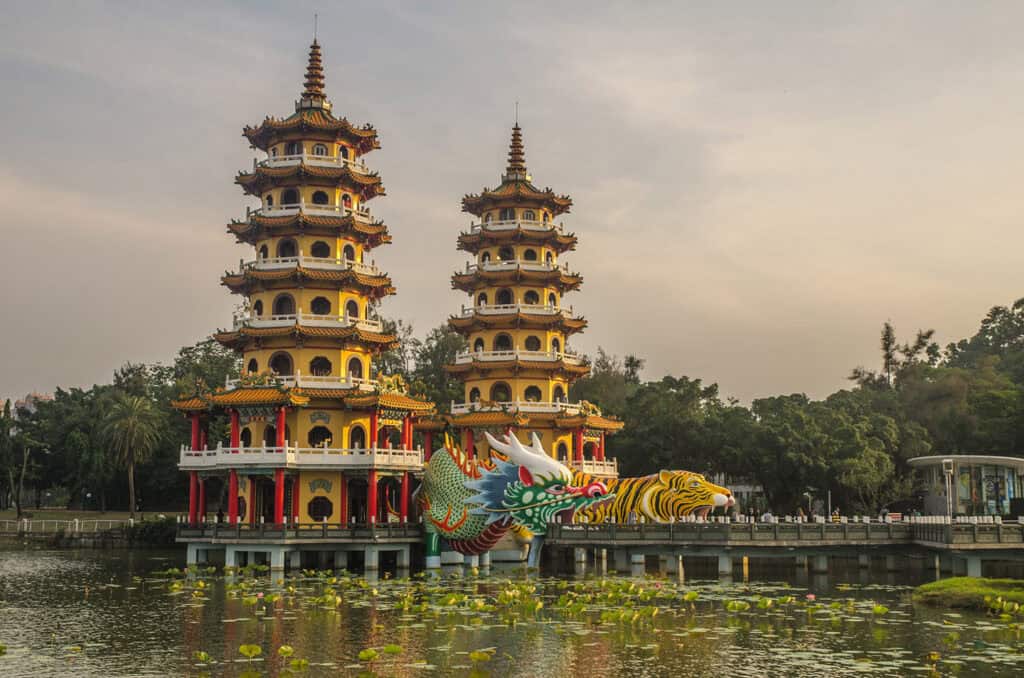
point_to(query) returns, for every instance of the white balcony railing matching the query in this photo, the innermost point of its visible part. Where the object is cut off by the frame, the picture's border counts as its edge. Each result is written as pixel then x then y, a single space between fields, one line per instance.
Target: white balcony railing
pixel 293 456
pixel 513 264
pixel 321 263
pixel 309 320
pixel 311 209
pixel 516 405
pixel 596 467
pixel 307 159
pixel 516 354
pixel 502 309
pixel 514 224
pixel 315 381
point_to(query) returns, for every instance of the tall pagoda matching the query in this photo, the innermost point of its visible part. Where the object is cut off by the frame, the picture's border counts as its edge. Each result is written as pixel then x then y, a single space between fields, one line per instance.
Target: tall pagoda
pixel 518 368
pixel 315 432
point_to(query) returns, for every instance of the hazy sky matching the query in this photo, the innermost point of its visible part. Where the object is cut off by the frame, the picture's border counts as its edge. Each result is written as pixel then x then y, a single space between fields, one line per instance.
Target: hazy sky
pixel 757 186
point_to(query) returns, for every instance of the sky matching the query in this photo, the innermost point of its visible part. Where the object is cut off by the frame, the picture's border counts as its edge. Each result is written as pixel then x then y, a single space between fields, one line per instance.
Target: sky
pixel 757 186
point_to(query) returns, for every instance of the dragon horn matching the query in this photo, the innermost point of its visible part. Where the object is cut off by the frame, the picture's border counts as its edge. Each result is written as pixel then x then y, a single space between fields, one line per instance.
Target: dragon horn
pixel 536 464
pixel 537 448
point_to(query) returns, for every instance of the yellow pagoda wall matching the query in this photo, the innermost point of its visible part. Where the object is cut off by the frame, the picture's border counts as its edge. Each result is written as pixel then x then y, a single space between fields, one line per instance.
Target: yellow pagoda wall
pixel 518 338
pixel 304 300
pixel 301 358
pixel 305 245
pixel 306 192
pixel 518 385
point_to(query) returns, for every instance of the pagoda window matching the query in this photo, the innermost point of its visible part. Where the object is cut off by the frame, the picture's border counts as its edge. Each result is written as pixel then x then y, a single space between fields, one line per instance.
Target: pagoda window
pixel 474 395
pixel 532 343
pixel 357 438
pixel 246 437
pixel 485 257
pixel 507 214
pixel 346 200
pixel 284 304
pixel 531 297
pixel 504 297
pixel 478 345
pixel 320 250
pixel 558 394
pixel 487 218
pixel 287 249
pixel 273 152
pixel 264 252
pixel 547 217
pixel 269 200
pixel 319 149
pixel 529 215
pixel 342 152
pixel 481 299
pixel 355 368
pixel 530 255
pixel 290 197
pixel 563 452
pixel 532 394
pixel 556 346
pixel 319 509
pixel 506 254
pixel 293 148
pixel 320 366
pixel 503 342
pixel 320 306
pixel 352 309
pixel 253 367
pixel 281 364
pixel 349 253
pixel 320 436
pixel 552 300
pixel 257 307
pixel 501 393
pixel 320 198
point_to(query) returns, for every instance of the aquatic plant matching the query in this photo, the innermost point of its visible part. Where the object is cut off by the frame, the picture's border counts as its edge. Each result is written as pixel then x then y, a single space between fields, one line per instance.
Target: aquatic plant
pixel 201 656
pixel 368 655
pixel 392 649
pixel 250 652
pixel 285 651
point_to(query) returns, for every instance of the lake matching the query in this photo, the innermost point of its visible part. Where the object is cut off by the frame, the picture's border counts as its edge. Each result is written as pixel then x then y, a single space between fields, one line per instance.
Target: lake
pixel 117 613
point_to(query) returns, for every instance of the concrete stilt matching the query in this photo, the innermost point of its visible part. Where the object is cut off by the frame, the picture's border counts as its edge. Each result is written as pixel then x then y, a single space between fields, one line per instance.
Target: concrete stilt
pixel 295 560
pixel 637 559
pixel 194 555
pixel 579 555
pixel 451 558
pixel 819 564
pixel 680 572
pixel 471 561
pixel 371 558
pixel 603 560
pixel 621 559
pixel 801 562
pixel 230 556
pixel 746 568
pixel 935 563
pixel 341 560
pixel 864 560
pixel 485 559
pixel 404 559
pixel 433 563
pixel 725 564
pixel 671 563
pixel 890 564
pixel 277 560
pixel 973 566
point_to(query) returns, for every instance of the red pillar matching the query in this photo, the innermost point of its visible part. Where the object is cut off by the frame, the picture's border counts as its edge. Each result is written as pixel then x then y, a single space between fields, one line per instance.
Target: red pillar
pixel 600 448
pixel 343 500
pixel 405 433
pixel 252 500
pixel 403 501
pixel 428 445
pixel 373 430
pixel 387 438
pixel 202 439
pixel 193 486
pixel 578 456
pixel 281 442
pixel 202 500
pixel 233 497
pixel 295 498
pixel 470 451
pixel 371 496
pixel 278 496
pixel 235 431
pixel 195 430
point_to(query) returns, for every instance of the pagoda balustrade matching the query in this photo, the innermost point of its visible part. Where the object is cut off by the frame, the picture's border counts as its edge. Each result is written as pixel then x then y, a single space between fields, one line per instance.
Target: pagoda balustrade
pixel 309 159
pixel 517 354
pixel 294 456
pixel 513 264
pixel 309 320
pixel 542 226
pixel 315 381
pixel 596 467
pixel 517 405
pixel 312 209
pixel 323 263
pixel 502 309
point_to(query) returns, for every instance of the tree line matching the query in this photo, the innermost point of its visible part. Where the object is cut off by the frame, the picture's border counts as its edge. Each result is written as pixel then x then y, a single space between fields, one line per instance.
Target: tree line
pixel 115 446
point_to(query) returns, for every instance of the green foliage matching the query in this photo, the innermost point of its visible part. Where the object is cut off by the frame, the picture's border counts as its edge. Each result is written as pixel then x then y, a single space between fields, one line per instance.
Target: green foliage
pixel 969 592
pixel 250 652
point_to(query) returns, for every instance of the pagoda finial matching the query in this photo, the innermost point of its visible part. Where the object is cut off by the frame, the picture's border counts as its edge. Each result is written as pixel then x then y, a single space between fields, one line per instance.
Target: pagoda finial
pixel 313 93
pixel 516 153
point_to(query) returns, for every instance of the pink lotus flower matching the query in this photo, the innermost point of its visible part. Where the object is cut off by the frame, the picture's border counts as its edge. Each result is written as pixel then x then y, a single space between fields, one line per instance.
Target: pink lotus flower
pixel 811 596
pixel 260 594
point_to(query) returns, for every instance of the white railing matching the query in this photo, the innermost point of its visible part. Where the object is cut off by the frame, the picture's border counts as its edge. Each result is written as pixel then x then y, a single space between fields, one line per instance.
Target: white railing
pixel 498 356
pixel 326 263
pixel 513 264
pixel 596 467
pixel 516 405
pixel 514 224
pixel 293 456
pixel 309 320
pixel 361 214
pixel 308 159
pixel 501 309
pixel 315 381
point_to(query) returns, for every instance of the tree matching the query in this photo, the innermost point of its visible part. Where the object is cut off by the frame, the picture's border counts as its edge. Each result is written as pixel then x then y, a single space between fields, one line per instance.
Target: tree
pixel 430 356
pixel 131 427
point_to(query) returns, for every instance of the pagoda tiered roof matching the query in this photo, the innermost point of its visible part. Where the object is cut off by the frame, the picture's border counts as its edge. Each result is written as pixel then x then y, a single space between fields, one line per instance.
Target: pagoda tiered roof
pixel 245 281
pixel 572 369
pixel 488 235
pixel 348 335
pixel 259 226
pixel 518 319
pixel 312 123
pixel 558 277
pixel 274 395
pixel 367 185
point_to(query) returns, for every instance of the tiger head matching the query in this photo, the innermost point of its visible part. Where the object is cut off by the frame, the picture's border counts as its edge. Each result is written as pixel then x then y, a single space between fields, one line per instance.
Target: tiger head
pixel 682 493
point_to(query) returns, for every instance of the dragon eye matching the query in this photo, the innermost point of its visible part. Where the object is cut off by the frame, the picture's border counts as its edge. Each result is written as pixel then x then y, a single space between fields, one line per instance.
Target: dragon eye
pixel 556 489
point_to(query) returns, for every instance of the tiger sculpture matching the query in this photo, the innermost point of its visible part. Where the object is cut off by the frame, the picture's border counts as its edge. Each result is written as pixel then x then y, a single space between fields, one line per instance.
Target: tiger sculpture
pixel 662 497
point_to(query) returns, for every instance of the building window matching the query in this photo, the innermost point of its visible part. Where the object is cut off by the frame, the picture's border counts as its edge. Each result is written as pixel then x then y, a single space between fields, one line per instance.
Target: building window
pixel 319 149
pixel 474 395
pixel 533 394
pixel 504 297
pixel 530 255
pixel 481 299
pixel 531 297
pixel 273 152
pixel 281 364
pixel 349 253
pixel 269 200
pixel 485 258
pixel 320 306
pixel 246 438
pixel 550 258
pixel 355 368
pixel 501 393
pixel 503 342
pixel 284 304
pixel 478 345
pixel 320 436
pixel 352 309
pixel 290 197
pixel 507 214
pixel 270 436
pixel 532 343
pixel 342 152
pixel 253 367
pixel 547 217
pixel 346 200
pixel 264 252
pixel 529 215
pixel 559 394
pixel 487 218
pixel 257 307
pixel 506 254
pixel 552 300
pixel 320 198
pixel 357 438
pixel 320 366
pixel 320 250
pixel 563 452
pixel 320 508
pixel 293 148
pixel 287 249
pixel 556 346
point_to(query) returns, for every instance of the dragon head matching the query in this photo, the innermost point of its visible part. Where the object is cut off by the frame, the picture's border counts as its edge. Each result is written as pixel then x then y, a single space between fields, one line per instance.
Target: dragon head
pixel 531 488
pixel 684 493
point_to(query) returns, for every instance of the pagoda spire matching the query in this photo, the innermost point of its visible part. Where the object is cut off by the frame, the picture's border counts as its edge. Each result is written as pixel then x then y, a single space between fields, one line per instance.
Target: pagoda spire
pixel 313 93
pixel 516 156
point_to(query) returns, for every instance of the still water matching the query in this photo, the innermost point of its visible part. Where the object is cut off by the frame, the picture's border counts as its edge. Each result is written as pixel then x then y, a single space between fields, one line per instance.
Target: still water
pixel 116 613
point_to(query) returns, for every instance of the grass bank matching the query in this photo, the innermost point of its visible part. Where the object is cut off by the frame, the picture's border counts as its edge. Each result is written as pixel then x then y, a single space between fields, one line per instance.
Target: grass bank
pixel 969 592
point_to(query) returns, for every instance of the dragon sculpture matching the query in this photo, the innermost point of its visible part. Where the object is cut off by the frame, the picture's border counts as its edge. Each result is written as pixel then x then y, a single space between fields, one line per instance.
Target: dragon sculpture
pixel 471 504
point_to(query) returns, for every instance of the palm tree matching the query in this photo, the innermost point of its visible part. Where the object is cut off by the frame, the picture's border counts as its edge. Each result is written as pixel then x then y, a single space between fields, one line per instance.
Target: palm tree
pixel 130 428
